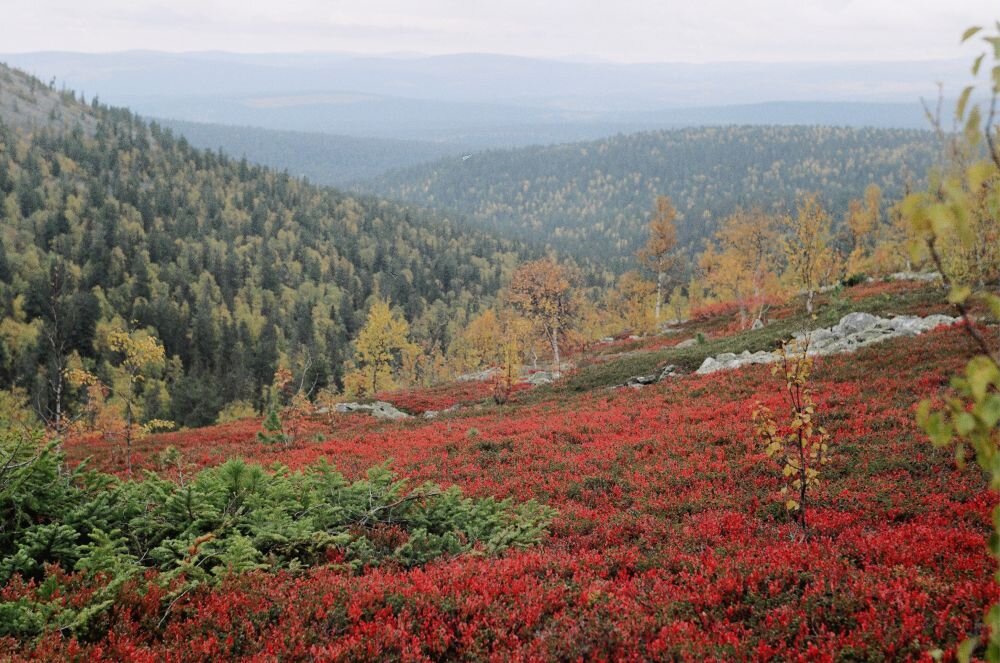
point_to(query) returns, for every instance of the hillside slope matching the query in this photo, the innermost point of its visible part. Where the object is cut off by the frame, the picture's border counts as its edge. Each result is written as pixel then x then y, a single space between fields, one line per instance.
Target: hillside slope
pixel 595 198
pixel 671 539
pixel 232 266
pixel 322 158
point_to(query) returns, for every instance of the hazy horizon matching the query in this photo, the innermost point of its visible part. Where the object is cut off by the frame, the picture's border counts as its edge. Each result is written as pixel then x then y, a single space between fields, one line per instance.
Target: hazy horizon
pixel 631 31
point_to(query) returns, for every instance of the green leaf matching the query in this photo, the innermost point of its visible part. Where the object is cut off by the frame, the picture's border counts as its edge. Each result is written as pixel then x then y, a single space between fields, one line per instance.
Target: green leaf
pixel 959 294
pixel 977 63
pixel 964 651
pixel 981 372
pixel 989 410
pixel 965 423
pixel 963 101
pixel 992 303
pixel 971 32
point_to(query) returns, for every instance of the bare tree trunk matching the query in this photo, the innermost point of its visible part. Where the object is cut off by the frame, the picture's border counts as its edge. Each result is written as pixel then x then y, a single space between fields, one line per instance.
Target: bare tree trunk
pixel 59 393
pixel 555 350
pixel 128 437
pixel 809 300
pixel 659 294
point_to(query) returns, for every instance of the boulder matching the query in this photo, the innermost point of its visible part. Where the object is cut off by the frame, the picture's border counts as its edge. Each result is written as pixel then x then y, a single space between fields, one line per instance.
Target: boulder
pixel 378 409
pixel 757 324
pixel 916 276
pixel 479 376
pixel 434 414
pixel 853 331
pixel 689 343
pixel 383 410
pixel 540 378
pixel 854 322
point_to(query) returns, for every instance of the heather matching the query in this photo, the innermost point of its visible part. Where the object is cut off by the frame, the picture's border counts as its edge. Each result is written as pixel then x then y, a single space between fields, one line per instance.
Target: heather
pixel 668 538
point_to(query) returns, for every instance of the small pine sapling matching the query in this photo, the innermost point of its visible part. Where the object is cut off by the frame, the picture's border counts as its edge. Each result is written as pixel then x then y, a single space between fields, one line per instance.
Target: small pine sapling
pixel 274 432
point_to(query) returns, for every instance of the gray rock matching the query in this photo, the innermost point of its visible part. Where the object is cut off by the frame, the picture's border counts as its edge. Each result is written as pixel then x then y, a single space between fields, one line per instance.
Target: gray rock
pixel 540 378
pixel 669 371
pixel 643 380
pixel 689 343
pixel 854 322
pixel 479 376
pixel 383 410
pixel 378 409
pixel 916 276
pixel 434 414
pixel 728 360
pixel 855 330
pixel 757 324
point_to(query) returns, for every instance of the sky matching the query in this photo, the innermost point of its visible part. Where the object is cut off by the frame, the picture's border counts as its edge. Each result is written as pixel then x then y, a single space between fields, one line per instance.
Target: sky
pixel 615 30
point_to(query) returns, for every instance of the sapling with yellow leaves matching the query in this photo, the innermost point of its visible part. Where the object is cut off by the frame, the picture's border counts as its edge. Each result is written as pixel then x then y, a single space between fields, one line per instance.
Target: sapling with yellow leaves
pixel 801 445
pixel 139 354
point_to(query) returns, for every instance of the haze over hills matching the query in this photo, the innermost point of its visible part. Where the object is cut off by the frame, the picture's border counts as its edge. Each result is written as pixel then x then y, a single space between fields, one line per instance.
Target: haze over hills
pixel 481 100
pixel 594 198
pixel 323 158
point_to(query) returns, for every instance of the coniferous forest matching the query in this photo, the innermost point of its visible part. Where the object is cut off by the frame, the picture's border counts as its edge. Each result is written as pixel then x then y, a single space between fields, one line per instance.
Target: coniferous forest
pixel 593 199
pixel 716 393
pixel 233 265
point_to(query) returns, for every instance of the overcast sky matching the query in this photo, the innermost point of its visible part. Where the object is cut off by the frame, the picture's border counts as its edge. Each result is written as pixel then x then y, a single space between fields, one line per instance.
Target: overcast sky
pixel 620 30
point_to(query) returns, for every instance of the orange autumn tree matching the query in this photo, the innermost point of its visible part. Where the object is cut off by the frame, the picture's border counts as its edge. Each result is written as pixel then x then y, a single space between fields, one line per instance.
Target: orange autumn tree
pixel 660 252
pixel 542 291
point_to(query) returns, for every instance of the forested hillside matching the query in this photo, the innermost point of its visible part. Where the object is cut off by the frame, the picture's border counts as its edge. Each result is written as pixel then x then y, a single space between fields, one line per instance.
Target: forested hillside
pixel 595 198
pixel 107 221
pixel 323 158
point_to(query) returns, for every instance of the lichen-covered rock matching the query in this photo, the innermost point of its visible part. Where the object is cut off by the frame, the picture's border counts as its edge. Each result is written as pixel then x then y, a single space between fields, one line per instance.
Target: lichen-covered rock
pixel 855 330
pixel 479 376
pixel 378 409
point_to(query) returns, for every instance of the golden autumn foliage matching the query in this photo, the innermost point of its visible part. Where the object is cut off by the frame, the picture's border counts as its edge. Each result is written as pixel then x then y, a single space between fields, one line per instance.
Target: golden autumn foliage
pixel 863 222
pixel 542 292
pixel 810 258
pixel 660 251
pixel 381 343
pixel 114 407
pixel 629 304
pixel 743 261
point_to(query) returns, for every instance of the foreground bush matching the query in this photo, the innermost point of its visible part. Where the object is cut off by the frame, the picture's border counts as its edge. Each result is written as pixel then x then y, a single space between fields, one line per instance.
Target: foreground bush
pixel 233 518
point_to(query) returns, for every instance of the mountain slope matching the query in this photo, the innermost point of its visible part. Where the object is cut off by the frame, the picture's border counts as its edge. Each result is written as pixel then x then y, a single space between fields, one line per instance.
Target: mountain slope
pixel 594 198
pixel 323 158
pixel 234 267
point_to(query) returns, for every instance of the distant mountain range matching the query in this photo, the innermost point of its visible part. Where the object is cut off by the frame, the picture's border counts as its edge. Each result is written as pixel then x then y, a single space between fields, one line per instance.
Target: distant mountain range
pixel 479 101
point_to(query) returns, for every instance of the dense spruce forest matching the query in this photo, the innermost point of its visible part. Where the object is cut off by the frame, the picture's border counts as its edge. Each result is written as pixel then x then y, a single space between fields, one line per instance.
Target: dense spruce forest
pixel 594 199
pixel 321 157
pixel 106 219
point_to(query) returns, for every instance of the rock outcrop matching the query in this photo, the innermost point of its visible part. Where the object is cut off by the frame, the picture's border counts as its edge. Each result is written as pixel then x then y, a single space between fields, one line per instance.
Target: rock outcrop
pixel 855 330
pixel 378 409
